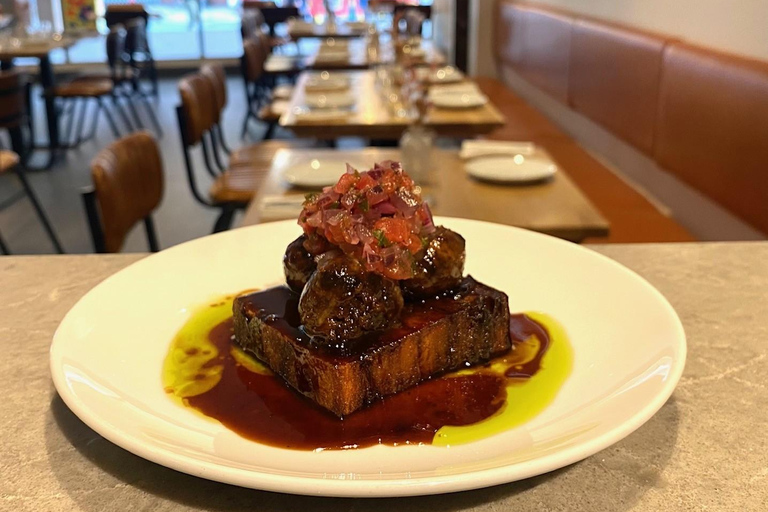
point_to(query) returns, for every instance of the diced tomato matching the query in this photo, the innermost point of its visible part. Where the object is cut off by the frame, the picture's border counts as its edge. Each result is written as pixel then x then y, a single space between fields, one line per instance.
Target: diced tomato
pixel 396 230
pixel 365 181
pixel 345 183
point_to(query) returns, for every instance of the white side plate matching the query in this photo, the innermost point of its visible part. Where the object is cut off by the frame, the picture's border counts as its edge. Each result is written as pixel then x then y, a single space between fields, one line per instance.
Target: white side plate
pixel 511 169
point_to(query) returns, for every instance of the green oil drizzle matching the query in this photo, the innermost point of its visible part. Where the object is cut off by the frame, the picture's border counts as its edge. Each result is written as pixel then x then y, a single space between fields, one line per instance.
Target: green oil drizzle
pixel 525 398
pixel 193 366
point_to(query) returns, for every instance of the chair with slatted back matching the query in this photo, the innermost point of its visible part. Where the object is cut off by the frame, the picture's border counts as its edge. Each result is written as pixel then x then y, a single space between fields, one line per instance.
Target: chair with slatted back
pixel 12 117
pixel 233 188
pixel 127 188
pixel 217 77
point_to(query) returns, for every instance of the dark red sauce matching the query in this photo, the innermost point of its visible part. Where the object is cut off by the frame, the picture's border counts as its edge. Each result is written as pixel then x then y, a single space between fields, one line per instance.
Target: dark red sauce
pixel 262 408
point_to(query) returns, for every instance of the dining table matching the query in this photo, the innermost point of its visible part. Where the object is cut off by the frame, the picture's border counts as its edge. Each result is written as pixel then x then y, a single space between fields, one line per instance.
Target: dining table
pixel 40 49
pixel 299 29
pixel 375 115
pixel 705 449
pixel 360 54
pixel 555 207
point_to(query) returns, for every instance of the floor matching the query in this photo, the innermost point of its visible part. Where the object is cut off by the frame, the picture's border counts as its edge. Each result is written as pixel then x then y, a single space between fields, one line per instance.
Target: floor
pixel 178 219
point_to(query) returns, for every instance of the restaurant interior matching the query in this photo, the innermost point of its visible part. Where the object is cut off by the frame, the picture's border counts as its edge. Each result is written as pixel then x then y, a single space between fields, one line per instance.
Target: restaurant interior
pixel 637 129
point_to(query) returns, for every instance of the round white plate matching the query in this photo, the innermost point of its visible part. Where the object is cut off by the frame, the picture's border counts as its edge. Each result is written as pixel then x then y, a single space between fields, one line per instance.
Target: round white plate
pixel 461 100
pixel 629 351
pixel 330 100
pixel 322 171
pixel 446 75
pixel 511 168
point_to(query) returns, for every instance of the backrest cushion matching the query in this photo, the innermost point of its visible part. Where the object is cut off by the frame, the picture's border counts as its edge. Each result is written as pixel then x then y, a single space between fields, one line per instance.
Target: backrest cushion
pixel 614 79
pixel 712 127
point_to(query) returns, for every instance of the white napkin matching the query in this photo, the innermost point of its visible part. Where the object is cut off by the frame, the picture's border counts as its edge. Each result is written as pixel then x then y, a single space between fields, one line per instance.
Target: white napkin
pixel 319 116
pixel 454 89
pixel 280 207
pixel 481 148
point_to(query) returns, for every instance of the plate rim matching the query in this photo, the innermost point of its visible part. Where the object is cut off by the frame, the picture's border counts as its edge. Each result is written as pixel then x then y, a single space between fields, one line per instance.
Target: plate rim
pixel 402 487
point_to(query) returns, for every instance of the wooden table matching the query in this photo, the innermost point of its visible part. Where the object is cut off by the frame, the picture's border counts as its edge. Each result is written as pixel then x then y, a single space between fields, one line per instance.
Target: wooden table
pixel 40 51
pixel 302 30
pixel 556 208
pixel 374 117
pixel 360 57
pixel 703 450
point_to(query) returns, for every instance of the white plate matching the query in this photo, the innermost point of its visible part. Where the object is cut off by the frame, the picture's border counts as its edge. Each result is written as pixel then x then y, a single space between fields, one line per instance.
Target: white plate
pixel 461 100
pixel 322 171
pixel 511 169
pixel 629 352
pixel 330 100
pixel 446 75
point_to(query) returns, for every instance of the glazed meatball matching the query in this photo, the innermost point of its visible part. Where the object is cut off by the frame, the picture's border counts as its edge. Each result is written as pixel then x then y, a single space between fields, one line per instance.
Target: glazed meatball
pixel 439 266
pixel 298 264
pixel 342 301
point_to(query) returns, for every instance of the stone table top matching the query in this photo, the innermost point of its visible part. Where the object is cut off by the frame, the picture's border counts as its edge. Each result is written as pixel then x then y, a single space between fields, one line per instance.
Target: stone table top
pixel 705 449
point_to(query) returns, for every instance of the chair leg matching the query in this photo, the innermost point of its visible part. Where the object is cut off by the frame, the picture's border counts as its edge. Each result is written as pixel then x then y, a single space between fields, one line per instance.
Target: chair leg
pixel 220 133
pixel 108 115
pixel 94 124
pixel 121 113
pixel 3 248
pixel 69 134
pixel 224 222
pixel 39 209
pixel 149 227
pixel 81 123
pixel 152 116
pixel 134 112
pixel 270 131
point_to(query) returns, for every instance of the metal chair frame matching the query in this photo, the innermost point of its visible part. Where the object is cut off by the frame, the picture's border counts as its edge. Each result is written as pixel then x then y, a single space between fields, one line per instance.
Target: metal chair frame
pixel 228 210
pixel 97 231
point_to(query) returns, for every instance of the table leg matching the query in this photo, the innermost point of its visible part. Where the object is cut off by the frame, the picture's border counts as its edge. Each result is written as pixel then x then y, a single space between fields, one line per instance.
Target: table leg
pixel 52 119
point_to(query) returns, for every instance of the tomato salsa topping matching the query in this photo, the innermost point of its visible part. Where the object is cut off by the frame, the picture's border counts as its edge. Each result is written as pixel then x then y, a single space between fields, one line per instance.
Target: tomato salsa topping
pixel 377 216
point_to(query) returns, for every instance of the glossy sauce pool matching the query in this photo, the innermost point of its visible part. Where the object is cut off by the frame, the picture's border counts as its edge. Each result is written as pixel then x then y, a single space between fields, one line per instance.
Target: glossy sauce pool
pixel 204 370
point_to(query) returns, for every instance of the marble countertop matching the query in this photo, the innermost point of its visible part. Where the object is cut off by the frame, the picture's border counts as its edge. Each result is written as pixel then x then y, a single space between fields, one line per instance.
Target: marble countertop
pixel 705 449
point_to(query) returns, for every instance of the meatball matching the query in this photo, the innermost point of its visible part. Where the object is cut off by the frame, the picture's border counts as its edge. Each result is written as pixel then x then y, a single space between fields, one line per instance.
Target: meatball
pixel 342 301
pixel 298 264
pixel 439 266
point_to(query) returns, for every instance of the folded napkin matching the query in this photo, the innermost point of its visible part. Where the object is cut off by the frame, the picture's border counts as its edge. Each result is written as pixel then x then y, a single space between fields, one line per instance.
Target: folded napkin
pixel 454 89
pixel 280 207
pixel 481 148
pixel 320 116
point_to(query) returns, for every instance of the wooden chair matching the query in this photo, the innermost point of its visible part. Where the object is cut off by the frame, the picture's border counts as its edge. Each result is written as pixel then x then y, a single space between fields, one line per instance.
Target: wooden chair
pixel 217 78
pixel 124 82
pixel 12 119
pixel 96 87
pixel 233 186
pixel 127 188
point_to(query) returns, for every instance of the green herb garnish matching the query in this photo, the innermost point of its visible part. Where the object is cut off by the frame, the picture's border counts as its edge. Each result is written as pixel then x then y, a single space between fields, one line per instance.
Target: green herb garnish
pixel 381 238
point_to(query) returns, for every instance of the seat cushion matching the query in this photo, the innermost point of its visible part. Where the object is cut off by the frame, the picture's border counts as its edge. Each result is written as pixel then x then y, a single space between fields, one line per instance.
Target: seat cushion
pixel 271 113
pixel 632 217
pixel 8 160
pixel 525 123
pixel 83 88
pixel 282 92
pixel 238 185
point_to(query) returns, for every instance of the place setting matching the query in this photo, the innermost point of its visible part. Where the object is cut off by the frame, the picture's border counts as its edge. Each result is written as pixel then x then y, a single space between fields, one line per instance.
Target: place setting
pixel 507 163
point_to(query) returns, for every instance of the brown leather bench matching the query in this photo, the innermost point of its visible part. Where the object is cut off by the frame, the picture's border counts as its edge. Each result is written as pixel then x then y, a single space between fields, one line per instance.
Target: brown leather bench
pixel 701 115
